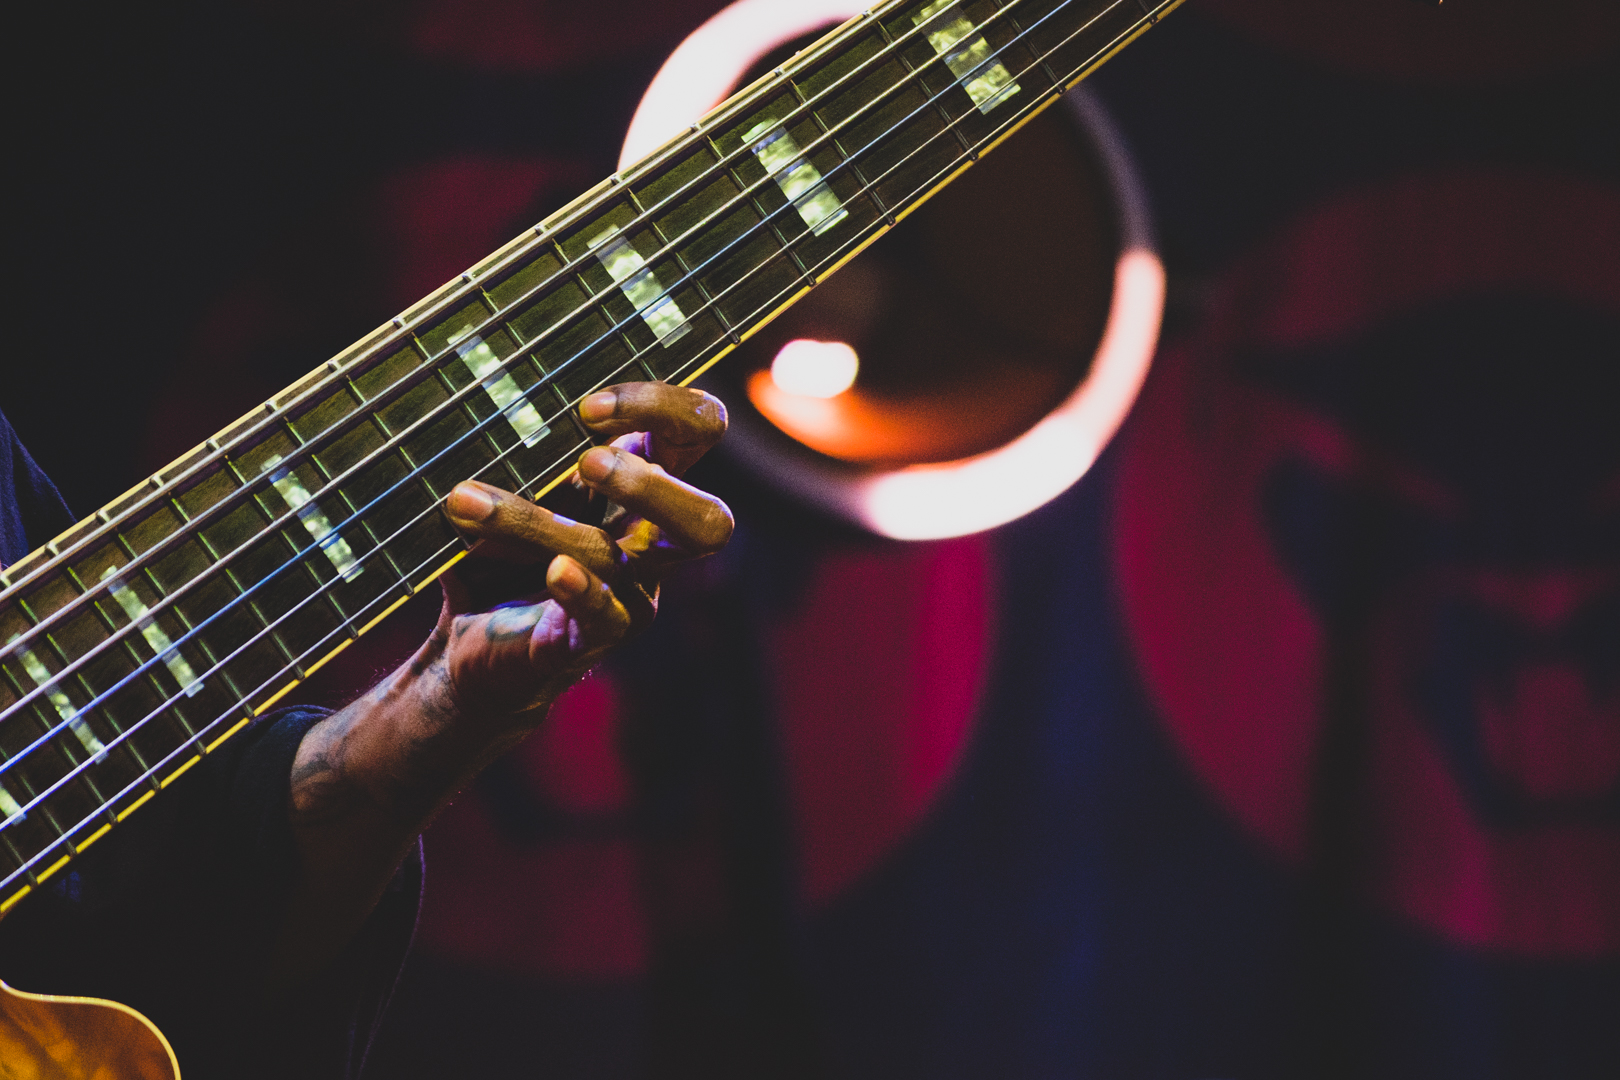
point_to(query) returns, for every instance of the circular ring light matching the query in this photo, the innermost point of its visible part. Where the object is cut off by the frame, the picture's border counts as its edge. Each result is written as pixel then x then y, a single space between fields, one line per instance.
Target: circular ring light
pixel 970 494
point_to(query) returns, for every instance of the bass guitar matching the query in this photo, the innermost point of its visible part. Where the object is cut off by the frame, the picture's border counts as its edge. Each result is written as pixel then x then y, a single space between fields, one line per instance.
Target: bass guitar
pixel 138 641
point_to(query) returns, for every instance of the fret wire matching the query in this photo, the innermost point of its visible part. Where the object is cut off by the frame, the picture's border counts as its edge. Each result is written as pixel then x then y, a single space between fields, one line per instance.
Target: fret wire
pixel 1046 68
pixel 584 433
pixel 845 157
pixel 532 359
pixel 448 300
pixel 286 652
pixel 118 729
pixel 77 725
pixel 356 516
pixel 888 215
pixel 111 627
pixel 93 756
pixel 208 650
pixel 934 98
pixel 804 155
pixel 686 274
pixel 486 430
pixel 179 615
pixel 135 658
pixel 422 351
pixel 21 862
pixel 25 787
pixel 17 692
pixel 766 217
pixel 105 713
pixel 1064 42
pixel 61 834
pixel 703 290
pixel 343 496
pixel 478 429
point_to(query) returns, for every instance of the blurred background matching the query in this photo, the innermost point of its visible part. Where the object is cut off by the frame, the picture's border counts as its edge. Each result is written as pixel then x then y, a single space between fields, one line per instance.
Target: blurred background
pixel 1285 743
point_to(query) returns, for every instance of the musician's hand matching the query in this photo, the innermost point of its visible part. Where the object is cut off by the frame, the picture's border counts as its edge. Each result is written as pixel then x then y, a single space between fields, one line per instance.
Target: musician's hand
pixel 601 583
pixel 368 778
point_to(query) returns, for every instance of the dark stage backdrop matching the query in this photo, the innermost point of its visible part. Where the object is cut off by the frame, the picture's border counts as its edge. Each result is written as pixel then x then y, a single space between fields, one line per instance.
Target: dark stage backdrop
pixel 1287 744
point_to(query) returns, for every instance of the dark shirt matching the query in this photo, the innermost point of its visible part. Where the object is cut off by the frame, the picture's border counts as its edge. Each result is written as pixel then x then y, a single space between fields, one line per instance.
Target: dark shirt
pixel 174 912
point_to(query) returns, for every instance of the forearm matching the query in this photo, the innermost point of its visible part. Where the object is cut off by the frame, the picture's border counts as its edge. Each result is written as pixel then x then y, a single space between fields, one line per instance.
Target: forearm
pixel 364 784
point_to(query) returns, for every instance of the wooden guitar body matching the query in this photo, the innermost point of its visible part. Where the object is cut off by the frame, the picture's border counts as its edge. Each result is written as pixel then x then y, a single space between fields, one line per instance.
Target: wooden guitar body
pixel 44 1037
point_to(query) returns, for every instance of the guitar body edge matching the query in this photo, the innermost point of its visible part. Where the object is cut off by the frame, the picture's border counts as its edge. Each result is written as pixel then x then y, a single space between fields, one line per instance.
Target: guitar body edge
pixel 46 1037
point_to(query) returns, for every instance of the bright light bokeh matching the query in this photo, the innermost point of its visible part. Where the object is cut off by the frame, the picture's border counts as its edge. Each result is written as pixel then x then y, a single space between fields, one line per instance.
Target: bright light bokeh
pixel 921 502
pixel 818 369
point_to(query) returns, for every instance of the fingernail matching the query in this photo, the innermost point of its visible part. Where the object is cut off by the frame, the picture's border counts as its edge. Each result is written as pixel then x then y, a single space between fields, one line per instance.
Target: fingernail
pixel 598 463
pixel 469 503
pixel 598 406
pixel 564 577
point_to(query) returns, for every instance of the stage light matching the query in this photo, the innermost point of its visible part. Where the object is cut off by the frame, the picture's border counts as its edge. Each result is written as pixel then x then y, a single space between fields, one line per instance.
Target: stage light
pixel 1001 339
pixel 818 369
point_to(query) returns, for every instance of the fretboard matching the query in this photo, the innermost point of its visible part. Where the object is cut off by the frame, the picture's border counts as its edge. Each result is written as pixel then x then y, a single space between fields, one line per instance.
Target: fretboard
pixel 134 644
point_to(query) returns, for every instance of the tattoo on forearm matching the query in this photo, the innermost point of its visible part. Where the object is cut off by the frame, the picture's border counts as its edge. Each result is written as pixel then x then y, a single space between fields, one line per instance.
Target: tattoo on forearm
pixel 511 622
pixel 318 787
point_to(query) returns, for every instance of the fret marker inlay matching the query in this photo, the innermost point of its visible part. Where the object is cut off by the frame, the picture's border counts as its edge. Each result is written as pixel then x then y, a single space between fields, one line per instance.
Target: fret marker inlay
pixel 140 615
pixel 501 387
pixel 59 701
pixel 11 806
pixel 967 54
pixel 316 523
pixel 799 180
pixel 640 286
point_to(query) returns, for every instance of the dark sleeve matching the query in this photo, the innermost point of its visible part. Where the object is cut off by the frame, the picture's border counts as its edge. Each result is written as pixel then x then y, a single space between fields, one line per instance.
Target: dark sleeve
pixel 175 911
pixel 31 510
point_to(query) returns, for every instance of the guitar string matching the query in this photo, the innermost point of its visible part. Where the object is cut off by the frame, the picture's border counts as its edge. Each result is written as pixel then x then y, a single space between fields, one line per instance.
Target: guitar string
pixel 145 667
pixel 309 447
pixel 568 268
pixel 497 461
pixel 347 625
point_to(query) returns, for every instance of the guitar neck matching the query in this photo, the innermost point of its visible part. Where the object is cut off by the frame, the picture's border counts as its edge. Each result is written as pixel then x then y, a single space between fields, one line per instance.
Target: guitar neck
pixel 136 642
